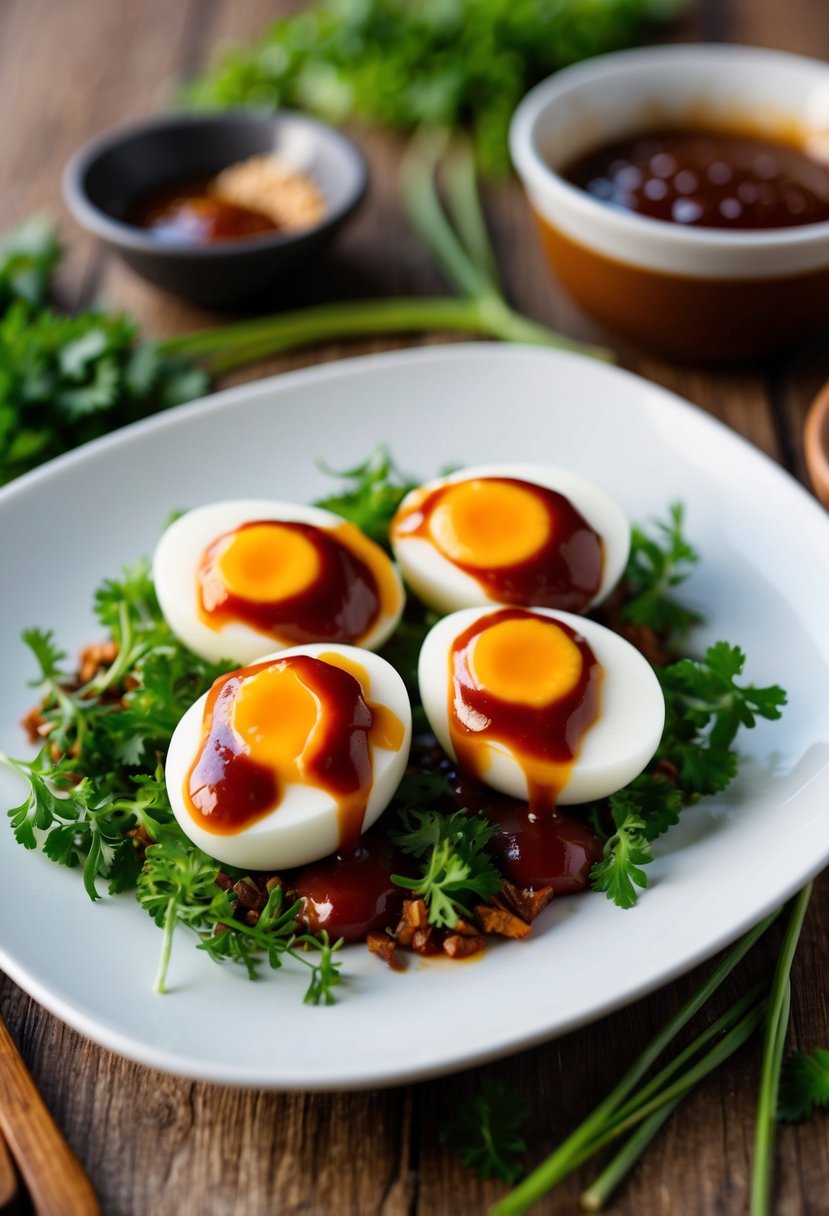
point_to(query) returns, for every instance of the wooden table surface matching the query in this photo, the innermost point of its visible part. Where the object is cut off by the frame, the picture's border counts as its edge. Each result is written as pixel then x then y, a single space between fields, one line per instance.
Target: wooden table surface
pixel 156 1144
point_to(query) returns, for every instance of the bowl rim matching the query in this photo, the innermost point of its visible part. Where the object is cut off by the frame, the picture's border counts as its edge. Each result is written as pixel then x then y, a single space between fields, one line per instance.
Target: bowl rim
pixel 127 236
pixel 539 176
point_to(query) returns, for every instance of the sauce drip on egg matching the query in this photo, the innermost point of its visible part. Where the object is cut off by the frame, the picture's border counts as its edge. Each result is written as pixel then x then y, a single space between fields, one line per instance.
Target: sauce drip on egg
pixel 523 543
pixel 294 582
pixel 298 720
pixel 526 684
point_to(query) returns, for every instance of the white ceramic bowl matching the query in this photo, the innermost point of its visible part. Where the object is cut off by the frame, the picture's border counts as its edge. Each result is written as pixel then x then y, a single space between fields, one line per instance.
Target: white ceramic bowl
pixel 699 293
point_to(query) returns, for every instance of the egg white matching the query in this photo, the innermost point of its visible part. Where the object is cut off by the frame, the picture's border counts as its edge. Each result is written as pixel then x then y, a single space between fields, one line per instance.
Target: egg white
pixel 304 827
pixel 440 584
pixel 175 574
pixel 613 751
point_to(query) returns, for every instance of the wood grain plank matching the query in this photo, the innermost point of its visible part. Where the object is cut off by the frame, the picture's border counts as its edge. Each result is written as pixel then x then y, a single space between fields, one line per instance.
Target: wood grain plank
pixel 800 25
pixel 78 49
pixel 9 1186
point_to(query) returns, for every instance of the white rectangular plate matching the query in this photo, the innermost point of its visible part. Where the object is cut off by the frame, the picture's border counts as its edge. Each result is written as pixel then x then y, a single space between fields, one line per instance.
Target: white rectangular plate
pixel 763 583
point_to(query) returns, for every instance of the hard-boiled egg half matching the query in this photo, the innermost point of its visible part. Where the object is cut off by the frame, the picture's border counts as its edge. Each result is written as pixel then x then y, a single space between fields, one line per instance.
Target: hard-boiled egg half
pixel 541 705
pixel 238 579
pixel 291 758
pixel 512 534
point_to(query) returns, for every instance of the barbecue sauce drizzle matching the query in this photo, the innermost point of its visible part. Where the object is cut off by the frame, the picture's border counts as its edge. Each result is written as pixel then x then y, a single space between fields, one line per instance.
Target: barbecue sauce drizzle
pixel 545 739
pixel 565 573
pixel 341 604
pixel 226 790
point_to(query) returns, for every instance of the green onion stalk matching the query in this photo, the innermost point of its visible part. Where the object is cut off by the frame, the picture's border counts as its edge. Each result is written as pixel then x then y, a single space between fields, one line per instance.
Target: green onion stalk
pixel 457 238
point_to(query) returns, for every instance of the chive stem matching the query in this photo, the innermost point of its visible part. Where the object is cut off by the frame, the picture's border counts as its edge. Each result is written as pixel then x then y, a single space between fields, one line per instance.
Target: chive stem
pixel 430 221
pixel 722 1025
pixel 777 1020
pixel 223 350
pixel 600 1190
pixel 466 211
pixel 711 1060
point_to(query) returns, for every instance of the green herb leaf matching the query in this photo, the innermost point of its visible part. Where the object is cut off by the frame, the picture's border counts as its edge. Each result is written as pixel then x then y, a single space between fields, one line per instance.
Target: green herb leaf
pixel 705 709
pixel 67 379
pixel 804 1085
pixel 28 256
pixel 372 493
pixel 487 1133
pixel 627 850
pixel 457 869
pixel 433 63
pixel 660 561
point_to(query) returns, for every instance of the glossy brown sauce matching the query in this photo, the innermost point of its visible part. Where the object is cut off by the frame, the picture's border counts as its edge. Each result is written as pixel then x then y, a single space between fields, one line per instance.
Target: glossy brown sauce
pixel 544 739
pixel 341 603
pixel 532 851
pixel 227 790
pixel 565 572
pixel 706 179
pixel 536 851
pixel 352 895
pixel 186 213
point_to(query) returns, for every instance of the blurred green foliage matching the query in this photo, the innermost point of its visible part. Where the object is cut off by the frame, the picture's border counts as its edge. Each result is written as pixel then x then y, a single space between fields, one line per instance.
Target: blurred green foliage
pixel 449 63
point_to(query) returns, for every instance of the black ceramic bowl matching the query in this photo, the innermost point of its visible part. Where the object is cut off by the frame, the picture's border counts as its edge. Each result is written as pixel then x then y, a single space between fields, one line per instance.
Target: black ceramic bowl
pixel 110 173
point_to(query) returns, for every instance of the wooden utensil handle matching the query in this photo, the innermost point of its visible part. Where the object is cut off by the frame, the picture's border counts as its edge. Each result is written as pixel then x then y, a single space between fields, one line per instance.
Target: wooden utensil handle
pixel 8 1178
pixel 53 1175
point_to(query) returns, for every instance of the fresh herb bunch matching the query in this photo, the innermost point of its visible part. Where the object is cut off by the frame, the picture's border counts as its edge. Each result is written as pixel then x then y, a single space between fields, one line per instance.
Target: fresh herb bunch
pixel 96 796
pixel 67 379
pixel 438 63
pixel 28 257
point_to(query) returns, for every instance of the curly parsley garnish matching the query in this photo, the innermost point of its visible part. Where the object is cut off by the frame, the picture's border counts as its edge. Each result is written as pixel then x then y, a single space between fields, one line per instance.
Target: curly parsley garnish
pixel 96 796
pixel 457 870
pixel 657 565
pixel 371 494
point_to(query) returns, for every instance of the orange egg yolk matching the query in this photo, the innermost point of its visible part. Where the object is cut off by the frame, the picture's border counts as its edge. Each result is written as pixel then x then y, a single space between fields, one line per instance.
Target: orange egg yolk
pixel 522 543
pixel 486 522
pixel 525 661
pixel 526 685
pixel 295 583
pixel 266 562
pixel 293 721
